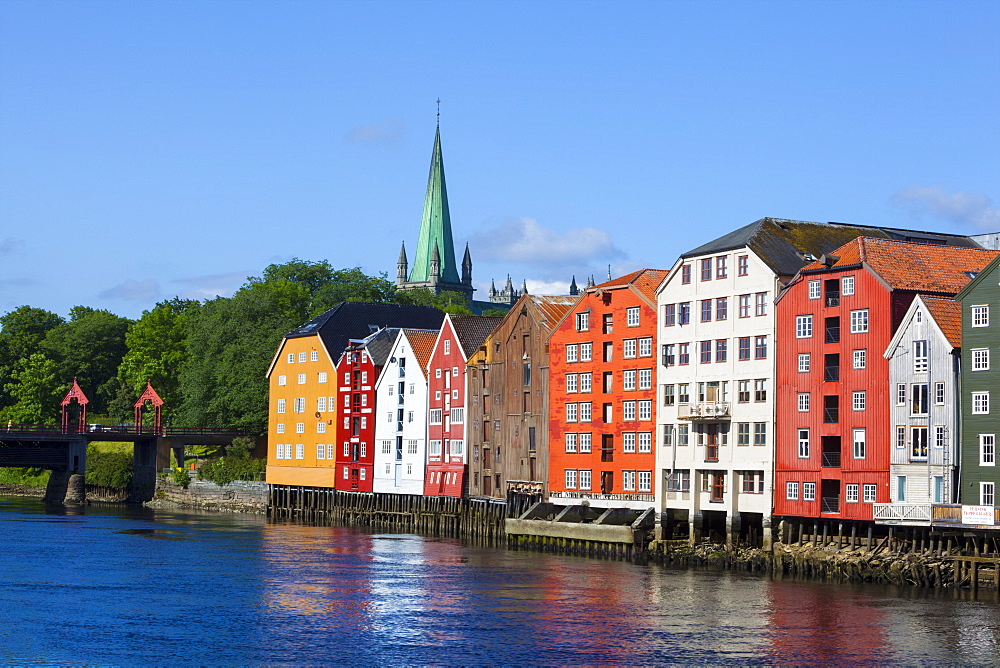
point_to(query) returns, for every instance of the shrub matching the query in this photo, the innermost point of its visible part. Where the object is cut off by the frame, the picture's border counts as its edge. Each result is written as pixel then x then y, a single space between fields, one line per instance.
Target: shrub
pixel 108 469
pixel 237 464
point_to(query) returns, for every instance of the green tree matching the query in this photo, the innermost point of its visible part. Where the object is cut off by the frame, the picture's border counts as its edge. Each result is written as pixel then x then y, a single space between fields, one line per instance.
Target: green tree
pixel 37 390
pixel 156 348
pixel 89 347
pixel 21 334
pixel 353 285
pixel 230 344
pixel 448 300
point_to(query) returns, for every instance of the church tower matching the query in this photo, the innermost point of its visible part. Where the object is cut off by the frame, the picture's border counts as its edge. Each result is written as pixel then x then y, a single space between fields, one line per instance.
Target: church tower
pixel 434 265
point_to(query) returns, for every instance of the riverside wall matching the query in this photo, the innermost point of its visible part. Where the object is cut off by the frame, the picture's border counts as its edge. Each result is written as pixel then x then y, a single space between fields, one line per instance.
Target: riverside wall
pixel 240 496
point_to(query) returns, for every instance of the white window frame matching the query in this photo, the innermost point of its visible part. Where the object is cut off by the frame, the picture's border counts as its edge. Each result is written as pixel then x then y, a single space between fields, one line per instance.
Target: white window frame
pixel 846 286
pixel 632 316
pixel 803 326
pixel 980 403
pixel 792 491
pixel 980 359
pixel 858 400
pixel 981 315
pixel 815 289
pixel 851 490
pixel 804 362
pixel 859 321
pixel 804 401
pixel 808 491
pixel 987 449
pixel 859 445
pixel 859 358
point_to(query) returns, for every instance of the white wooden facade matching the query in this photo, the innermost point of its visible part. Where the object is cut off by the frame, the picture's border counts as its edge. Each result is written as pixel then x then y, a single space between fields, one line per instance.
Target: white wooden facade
pixel 400 422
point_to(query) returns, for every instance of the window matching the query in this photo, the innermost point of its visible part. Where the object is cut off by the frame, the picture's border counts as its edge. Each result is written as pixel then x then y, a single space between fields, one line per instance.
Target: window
pixel 669 315
pixel 586 352
pixel 585 442
pixel 986 493
pixel 918 443
pixel 679 481
pixel 987 449
pixel 760 305
pixel 814 289
pixel 901 394
pixel 447 346
pixel 628 481
pixel 632 316
pixel 683 353
pixel 721 350
pixel 571 353
pixel 900 436
pixel 859 444
pixel 981 316
pixel 919 399
pixel 457 446
pixel 803 443
pixel 804 402
pixel 570 479
pixel 981 403
pixel 571 412
pixel 628 379
pixel 706 269
pixel 321 377
pixel 940 436
pixel 744 348
pixel 901 488
pixel 302 357
pixel 607 323
pixel 803 362
pixel 667 354
pixel 720 267
pixel 434 448
pixel 706 310
pixel 291 358
pixel 571 383
pixel 721 308
pixel 281 405
pixel 300 405
pixel 582 324
pixel 628 349
pixel 743 265
pixel 668 395
pixel 586 382
pixel 858 400
pixel 279 428
pixel 683 432
pixel 847 286
pixel 645 379
pixel 282 380
pixel 744 306
pixel 645 409
pixel 859 358
pixel 628 410
pixel 981 359
pixel 684 314
pixel 682 393
pixel 869 491
pixel 851 492
pixel 753 482
pixel 760 347
pixel 705 352
pixel 435 416
pixel 586 411
pixel 300 448
pixel 803 326
pixel 628 442
pixel 686 274
pixel 585 478
pixel 457 414
pixel 760 389
pixel 320 427
pixel 760 433
pixel 645 481
pixel 920 362
pixel 808 491
pixel 792 491
pixel 743 391
pixel 859 321
pixel 645 442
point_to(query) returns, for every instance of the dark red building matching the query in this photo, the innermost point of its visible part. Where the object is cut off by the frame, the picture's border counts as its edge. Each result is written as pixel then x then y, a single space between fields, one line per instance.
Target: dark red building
pixel 834 322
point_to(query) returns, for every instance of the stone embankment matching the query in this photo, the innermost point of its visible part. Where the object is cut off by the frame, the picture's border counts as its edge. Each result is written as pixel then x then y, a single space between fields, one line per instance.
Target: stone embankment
pixel 236 497
pixel 8 489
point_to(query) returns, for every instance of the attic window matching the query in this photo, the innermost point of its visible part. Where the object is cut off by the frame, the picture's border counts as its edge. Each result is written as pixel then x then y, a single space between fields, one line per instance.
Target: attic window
pixel 971 274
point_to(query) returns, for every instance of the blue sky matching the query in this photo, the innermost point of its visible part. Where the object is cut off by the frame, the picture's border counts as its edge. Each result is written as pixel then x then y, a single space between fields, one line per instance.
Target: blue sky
pixel 153 149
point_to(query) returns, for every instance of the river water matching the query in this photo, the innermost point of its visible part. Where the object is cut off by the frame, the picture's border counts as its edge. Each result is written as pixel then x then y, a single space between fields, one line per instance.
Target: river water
pixel 134 586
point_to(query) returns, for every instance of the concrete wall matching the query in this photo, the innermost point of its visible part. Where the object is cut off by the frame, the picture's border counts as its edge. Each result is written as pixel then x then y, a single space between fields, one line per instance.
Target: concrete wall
pixel 238 496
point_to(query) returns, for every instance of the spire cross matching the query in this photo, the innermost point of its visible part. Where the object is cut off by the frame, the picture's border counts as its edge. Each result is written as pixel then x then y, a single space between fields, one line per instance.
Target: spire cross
pixel 439 112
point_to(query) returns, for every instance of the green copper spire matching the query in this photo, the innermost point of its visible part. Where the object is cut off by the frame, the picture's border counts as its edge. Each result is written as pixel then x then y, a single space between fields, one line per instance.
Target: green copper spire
pixel 435 225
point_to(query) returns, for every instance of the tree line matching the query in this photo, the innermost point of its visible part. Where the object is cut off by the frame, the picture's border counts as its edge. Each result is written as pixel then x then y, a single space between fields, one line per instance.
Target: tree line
pixel 206 359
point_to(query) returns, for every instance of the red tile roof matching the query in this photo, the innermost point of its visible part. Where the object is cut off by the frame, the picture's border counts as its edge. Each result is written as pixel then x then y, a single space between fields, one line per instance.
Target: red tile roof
pixel 422 344
pixel 947 313
pixel 911 266
pixel 645 281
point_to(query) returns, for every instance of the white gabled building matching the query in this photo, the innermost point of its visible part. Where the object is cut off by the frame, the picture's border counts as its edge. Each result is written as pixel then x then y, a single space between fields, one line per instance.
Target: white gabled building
pixel 924 366
pixel 401 414
pixel 716 373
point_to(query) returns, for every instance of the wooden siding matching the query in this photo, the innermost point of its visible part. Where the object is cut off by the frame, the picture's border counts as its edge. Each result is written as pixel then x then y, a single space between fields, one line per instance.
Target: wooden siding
pixel 355 467
pixel 445 473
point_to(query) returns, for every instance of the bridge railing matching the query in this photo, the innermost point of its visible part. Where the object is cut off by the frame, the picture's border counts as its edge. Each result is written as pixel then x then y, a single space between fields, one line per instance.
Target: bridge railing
pixel 12 428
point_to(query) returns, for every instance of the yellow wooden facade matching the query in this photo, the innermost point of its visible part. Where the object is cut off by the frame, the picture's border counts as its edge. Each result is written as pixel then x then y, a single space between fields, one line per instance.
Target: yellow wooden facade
pixel 302 414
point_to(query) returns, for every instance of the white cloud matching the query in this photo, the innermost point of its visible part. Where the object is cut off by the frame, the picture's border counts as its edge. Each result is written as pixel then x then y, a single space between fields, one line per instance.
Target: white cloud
pixel 965 208
pixel 389 131
pixel 212 286
pixel 133 291
pixel 10 246
pixel 525 241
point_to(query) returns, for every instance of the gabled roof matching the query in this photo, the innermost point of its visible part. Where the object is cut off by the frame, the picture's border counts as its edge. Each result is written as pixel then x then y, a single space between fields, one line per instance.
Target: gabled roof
pixel 989 269
pixel 472 330
pixel 379 344
pixel 422 344
pixel 784 245
pixel 551 309
pixel 947 313
pixel 357 320
pixel 915 267
pixel 644 280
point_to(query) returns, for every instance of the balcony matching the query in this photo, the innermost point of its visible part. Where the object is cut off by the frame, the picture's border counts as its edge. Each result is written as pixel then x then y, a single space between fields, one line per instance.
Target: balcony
pixel 830 504
pixel 902 513
pixel 831 460
pixel 709 410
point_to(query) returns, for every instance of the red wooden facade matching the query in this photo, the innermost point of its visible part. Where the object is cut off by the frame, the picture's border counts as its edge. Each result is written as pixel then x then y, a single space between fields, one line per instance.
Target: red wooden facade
pixel 834 321
pixel 602 393
pixel 445 475
pixel 356 376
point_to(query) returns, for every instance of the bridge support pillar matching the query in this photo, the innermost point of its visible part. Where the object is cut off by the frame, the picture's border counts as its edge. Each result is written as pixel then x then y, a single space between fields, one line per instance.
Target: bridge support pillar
pixel 65 488
pixel 144 456
pixel 76 490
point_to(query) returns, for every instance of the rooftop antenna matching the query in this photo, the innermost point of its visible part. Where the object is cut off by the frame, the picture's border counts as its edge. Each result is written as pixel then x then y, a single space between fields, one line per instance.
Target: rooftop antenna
pixel 609 272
